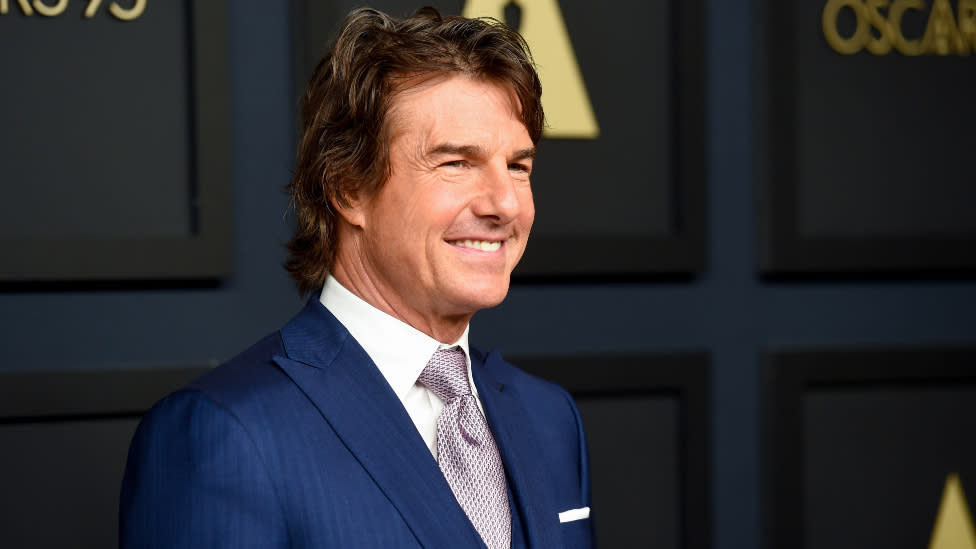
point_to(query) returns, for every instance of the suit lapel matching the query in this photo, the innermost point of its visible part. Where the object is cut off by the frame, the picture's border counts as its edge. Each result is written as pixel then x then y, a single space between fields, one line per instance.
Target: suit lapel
pixel 338 376
pixel 517 445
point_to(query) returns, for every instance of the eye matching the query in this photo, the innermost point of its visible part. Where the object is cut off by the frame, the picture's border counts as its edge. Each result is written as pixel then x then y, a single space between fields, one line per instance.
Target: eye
pixel 519 167
pixel 453 164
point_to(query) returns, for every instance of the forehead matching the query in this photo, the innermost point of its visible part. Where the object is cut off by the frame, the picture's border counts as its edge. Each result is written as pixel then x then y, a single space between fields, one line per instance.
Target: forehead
pixel 453 103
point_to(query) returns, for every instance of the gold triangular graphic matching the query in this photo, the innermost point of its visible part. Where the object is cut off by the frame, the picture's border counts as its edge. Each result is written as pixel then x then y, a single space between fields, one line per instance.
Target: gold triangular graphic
pixel 568 108
pixel 954 524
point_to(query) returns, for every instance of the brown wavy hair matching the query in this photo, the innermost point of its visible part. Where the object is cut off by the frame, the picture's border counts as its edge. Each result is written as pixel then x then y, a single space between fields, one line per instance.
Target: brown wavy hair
pixel 344 147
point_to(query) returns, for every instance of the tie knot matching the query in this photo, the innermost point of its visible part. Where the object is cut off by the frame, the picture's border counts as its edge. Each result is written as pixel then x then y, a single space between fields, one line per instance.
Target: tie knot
pixel 446 375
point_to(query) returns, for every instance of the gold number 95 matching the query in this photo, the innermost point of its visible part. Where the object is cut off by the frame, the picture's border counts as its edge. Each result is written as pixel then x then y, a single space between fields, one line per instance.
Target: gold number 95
pixel 57 7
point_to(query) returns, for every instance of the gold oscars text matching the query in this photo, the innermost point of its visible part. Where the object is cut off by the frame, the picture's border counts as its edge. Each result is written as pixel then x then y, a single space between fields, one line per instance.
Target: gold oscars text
pixel 879 29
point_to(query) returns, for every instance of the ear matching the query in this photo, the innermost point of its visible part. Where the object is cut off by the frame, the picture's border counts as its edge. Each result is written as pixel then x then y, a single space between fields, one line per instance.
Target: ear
pixel 352 209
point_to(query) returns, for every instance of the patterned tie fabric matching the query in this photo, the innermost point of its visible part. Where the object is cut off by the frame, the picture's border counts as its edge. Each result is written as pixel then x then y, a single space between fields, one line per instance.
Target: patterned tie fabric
pixel 466 451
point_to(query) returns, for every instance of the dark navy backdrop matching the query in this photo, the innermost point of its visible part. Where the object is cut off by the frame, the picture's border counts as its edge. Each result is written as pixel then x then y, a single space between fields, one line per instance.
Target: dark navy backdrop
pixel 729 311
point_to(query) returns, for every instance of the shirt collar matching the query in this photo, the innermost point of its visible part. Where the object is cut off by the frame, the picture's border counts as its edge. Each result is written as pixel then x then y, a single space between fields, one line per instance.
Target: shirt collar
pixel 400 351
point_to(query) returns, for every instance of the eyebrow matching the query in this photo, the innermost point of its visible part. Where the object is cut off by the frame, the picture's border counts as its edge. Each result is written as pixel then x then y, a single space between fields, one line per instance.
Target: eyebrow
pixel 524 154
pixel 453 148
pixel 476 151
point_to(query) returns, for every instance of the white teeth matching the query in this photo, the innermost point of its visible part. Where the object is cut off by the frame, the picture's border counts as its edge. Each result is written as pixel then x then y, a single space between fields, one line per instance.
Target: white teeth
pixel 483 245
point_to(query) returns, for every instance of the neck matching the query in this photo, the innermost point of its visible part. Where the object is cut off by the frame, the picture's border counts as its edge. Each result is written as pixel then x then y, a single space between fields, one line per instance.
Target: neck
pixel 446 329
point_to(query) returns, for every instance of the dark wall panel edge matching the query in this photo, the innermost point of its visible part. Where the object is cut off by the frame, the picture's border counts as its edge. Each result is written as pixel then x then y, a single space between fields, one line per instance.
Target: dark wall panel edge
pixel 63 393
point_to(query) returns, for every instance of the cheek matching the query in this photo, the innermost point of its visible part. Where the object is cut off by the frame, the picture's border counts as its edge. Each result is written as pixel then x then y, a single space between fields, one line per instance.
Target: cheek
pixel 407 219
pixel 527 214
pixel 438 212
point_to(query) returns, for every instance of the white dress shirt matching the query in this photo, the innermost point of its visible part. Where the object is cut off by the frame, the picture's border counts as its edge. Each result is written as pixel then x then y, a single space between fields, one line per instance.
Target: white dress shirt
pixel 400 351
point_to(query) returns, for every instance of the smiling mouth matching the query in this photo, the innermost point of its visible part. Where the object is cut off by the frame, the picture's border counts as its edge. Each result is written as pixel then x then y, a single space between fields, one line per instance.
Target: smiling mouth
pixel 483 245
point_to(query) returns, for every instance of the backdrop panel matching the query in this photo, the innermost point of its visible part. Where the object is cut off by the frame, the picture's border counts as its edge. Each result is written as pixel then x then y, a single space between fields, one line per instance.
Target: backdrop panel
pixel 861 445
pixel 866 136
pixel 115 140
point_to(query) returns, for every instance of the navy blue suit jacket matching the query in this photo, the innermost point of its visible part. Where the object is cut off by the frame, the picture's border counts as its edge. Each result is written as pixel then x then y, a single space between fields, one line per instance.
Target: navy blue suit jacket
pixel 300 442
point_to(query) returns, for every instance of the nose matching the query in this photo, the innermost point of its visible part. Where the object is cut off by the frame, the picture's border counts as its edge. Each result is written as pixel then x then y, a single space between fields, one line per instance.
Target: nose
pixel 501 196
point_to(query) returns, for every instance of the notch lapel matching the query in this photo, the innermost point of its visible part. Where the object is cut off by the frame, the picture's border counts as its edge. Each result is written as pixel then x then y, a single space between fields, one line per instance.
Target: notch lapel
pixel 337 375
pixel 509 421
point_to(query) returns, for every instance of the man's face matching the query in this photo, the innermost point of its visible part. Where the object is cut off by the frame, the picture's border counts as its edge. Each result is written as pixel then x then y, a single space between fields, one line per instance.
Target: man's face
pixel 440 238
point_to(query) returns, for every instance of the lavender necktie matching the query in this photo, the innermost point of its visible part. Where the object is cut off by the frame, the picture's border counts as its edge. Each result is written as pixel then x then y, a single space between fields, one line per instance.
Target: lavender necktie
pixel 466 451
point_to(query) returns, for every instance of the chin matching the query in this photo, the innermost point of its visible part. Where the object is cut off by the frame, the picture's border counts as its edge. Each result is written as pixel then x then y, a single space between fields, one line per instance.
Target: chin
pixel 486 296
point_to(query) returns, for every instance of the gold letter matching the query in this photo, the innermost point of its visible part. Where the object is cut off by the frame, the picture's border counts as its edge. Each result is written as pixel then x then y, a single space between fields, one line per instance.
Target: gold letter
pixel 134 12
pixel 92 8
pixel 50 11
pixel 954 523
pixel 24 7
pixel 906 47
pixel 861 33
pixel 967 22
pixel 882 44
pixel 941 35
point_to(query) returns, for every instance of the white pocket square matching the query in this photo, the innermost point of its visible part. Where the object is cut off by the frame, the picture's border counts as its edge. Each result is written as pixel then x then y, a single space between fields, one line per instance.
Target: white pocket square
pixel 574 514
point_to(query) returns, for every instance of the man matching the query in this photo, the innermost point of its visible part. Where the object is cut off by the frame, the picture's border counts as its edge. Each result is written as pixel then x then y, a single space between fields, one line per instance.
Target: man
pixel 367 421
